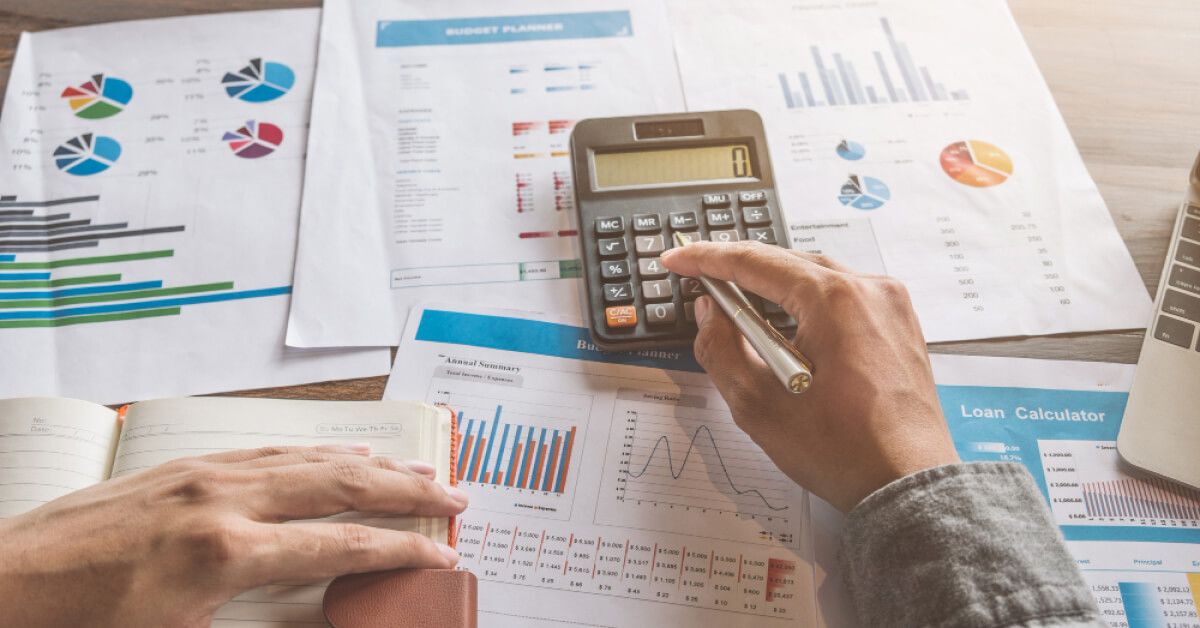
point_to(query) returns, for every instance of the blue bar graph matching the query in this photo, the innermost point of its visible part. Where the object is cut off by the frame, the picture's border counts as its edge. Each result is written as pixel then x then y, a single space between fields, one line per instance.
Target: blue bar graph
pixel 843 86
pixel 536 458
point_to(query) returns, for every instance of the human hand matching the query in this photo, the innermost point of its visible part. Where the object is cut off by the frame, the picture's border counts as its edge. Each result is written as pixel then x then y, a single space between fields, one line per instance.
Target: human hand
pixel 169 545
pixel 872 414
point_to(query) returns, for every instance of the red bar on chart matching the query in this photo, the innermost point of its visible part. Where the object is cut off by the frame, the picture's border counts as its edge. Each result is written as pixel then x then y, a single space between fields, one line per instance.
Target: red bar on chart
pixel 548 484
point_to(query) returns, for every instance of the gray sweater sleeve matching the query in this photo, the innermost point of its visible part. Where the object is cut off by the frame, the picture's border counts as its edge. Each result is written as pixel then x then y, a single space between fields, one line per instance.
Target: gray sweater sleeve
pixel 965 545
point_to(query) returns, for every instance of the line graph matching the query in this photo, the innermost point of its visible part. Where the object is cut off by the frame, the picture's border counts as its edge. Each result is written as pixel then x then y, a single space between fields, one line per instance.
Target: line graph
pixel 677 461
pixel 663 441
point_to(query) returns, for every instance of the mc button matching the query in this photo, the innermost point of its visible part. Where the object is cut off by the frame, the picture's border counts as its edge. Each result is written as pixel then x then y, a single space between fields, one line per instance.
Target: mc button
pixel 610 224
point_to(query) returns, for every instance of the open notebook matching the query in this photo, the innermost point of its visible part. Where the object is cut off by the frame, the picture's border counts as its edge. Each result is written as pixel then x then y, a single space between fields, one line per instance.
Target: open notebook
pixel 51 447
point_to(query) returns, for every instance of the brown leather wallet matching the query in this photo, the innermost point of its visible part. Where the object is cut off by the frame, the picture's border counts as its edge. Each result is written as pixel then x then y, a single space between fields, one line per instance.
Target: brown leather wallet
pixel 408 598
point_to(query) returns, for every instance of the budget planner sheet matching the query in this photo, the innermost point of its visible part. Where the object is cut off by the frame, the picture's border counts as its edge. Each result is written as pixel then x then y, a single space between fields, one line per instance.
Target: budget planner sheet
pixel 149 206
pixel 438 163
pixel 614 489
pixel 918 139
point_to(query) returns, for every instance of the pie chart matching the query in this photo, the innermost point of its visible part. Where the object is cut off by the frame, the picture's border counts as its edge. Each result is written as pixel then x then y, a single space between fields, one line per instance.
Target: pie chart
pixel 864 192
pixel 977 163
pixel 259 81
pixel 256 139
pixel 851 151
pixel 101 97
pixel 87 154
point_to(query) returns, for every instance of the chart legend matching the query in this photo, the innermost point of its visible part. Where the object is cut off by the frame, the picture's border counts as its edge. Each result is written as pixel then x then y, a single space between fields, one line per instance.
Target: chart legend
pixel 976 163
pixel 101 97
pixel 87 154
pixel 254 140
pixel 259 81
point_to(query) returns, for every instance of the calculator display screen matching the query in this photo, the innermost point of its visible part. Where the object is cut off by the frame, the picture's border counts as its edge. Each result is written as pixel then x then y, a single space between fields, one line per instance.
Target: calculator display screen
pixel 673 166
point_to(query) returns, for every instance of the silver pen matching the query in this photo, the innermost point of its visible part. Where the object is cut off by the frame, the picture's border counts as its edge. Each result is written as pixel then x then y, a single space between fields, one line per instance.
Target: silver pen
pixel 790 366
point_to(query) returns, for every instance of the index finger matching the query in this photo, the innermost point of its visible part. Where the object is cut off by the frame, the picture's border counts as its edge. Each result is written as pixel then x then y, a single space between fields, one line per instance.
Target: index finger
pixel 768 271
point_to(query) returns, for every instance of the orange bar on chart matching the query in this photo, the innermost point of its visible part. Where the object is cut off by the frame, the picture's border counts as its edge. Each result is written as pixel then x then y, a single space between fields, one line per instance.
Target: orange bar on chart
pixel 512 464
pixel 541 466
pixel 524 483
pixel 474 477
pixel 567 463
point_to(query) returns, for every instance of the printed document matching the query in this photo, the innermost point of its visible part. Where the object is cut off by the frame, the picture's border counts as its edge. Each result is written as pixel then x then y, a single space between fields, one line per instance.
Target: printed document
pixel 614 489
pixel 149 206
pixel 438 159
pixel 919 140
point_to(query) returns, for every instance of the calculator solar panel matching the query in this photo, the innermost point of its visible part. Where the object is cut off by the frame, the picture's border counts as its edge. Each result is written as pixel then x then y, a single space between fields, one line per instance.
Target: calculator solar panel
pixel 637 181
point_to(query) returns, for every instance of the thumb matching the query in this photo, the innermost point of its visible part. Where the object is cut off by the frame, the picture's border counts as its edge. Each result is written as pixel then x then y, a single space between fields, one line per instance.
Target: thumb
pixel 736 370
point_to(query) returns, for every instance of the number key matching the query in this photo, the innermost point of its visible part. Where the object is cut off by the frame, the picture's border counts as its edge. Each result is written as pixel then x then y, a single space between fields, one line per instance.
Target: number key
pixel 690 287
pixel 650 245
pixel 656 290
pixel 660 314
pixel 651 268
pixel 618 292
pixel 724 235
pixel 615 269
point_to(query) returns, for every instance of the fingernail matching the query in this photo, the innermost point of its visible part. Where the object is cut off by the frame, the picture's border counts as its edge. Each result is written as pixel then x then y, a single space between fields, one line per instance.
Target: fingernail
pixel 449 552
pixel 363 449
pixel 421 467
pixel 702 305
pixel 457 495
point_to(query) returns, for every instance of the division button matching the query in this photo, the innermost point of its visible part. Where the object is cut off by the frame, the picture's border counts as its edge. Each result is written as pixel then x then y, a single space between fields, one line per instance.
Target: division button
pixel 649 245
pixel 723 235
pixel 756 215
pixel 684 221
pixel 657 290
pixel 612 247
pixel 651 268
pixel 1174 331
pixel 619 316
pixel 752 198
pixel 615 269
pixel 610 224
pixel 716 200
pixel 1182 305
pixel 660 314
pixel 618 292
pixel 719 217
pixel 764 235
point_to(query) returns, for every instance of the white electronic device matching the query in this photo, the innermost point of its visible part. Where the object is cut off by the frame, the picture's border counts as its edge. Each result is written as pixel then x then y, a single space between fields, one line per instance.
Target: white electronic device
pixel 1161 429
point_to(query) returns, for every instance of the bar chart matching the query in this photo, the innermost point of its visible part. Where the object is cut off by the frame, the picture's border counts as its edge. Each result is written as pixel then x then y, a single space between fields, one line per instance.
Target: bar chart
pixel 1085 487
pixel 526 457
pixel 834 80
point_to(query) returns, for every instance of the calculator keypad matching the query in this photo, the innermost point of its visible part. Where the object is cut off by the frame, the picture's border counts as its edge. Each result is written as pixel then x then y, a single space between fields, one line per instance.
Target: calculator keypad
pixel 639 292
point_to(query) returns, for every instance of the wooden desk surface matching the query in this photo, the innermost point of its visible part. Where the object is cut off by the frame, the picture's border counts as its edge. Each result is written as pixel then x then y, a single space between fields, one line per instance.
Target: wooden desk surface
pixel 1125 76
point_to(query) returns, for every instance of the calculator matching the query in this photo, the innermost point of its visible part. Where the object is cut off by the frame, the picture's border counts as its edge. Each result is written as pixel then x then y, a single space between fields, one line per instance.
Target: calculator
pixel 638 180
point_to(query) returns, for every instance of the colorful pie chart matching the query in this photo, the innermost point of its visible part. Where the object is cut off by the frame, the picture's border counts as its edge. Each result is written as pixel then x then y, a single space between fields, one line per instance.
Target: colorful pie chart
pixel 864 192
pixel 850 150
pixel 977 163
pixel 87 154
pixel 256 139
pixel 259 81
pixel 101 97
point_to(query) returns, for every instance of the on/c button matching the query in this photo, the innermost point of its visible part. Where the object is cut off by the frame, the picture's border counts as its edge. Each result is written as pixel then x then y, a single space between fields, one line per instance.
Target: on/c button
pixel 619 316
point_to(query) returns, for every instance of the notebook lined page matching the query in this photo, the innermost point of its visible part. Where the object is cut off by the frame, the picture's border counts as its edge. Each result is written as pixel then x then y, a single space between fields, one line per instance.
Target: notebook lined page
pixel 51 447
pixel 160 431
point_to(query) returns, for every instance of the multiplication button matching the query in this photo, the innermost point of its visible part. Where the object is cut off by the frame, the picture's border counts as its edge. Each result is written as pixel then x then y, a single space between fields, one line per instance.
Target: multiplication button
pixel 764 235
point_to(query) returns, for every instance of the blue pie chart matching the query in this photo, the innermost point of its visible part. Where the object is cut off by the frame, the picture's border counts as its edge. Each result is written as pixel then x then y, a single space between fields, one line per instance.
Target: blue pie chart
pixel 851 151
pixel 87 154
pixel 864 193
